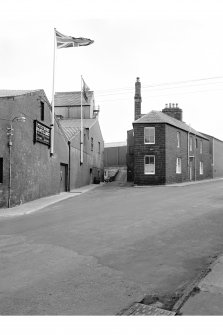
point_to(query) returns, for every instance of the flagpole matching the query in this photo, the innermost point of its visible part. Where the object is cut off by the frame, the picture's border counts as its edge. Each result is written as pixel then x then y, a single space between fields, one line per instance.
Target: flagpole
pixel 81 160
pixel 52 115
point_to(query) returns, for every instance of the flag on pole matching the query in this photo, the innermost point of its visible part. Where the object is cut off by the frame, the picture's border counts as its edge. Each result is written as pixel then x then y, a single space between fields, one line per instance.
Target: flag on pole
pixel 85 90
pixel 64 41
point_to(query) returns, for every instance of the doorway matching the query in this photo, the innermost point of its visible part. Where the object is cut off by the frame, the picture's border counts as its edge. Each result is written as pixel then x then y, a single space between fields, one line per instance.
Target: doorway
pixel 191 169
pixel 63 177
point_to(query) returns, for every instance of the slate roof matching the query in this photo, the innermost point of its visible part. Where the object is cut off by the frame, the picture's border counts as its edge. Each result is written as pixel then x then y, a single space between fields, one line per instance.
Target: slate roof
pixel 14 93
pixel 160 117
pixel 71 127
pixel 62 99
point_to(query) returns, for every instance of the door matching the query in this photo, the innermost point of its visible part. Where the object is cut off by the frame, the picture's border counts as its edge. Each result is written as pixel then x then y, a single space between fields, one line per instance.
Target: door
pixel 191 169
pixel 63 177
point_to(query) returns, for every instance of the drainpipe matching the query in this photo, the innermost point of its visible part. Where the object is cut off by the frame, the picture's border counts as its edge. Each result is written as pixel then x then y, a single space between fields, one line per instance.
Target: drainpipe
pixel 69 160
pixel 213 158
pixel 10 169
pixel 195 159
pixel 188 153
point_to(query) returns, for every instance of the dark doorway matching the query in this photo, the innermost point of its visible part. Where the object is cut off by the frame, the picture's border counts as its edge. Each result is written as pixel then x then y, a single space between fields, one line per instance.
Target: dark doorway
pixel 63 177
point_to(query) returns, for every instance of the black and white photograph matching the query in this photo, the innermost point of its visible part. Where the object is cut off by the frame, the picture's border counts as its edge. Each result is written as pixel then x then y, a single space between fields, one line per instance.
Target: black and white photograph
pixel 111 166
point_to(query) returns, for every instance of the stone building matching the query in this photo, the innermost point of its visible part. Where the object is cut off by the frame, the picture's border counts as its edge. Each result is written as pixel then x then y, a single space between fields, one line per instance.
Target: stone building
pixel 162 149
pixel 68 112
pixel 27 169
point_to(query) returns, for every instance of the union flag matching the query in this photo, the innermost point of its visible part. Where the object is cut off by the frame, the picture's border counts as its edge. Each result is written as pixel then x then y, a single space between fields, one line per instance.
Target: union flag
pixel 85 90
pixel 64 41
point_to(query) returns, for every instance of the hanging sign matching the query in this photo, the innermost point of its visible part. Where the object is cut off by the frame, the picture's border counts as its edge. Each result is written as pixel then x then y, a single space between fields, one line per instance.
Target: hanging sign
pixel 41 133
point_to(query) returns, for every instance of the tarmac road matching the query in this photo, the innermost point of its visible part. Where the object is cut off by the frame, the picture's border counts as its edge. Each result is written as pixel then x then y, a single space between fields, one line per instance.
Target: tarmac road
pixel 97 253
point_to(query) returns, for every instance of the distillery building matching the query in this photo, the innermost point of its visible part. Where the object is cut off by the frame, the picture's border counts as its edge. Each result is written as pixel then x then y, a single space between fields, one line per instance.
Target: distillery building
pixel 28 169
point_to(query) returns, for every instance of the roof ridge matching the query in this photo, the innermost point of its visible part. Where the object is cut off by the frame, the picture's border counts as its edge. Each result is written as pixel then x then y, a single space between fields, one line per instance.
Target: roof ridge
pixel 160 117
pixel 67 92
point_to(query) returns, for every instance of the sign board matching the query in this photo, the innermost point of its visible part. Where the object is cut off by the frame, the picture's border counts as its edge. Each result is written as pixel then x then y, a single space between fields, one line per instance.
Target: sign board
pixel 41 133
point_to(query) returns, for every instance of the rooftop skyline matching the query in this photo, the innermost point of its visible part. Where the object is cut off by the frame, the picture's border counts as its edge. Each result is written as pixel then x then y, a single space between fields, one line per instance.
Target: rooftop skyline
pixel 174 47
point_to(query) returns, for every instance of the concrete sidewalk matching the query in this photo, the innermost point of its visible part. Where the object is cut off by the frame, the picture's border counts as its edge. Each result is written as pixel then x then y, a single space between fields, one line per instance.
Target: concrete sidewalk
pixel 206 298
pixel 35 205
pixel 188 183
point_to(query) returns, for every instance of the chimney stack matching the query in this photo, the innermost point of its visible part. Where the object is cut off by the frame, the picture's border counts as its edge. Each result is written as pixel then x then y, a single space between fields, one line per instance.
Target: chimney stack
pixel 173 111
pixel 138 99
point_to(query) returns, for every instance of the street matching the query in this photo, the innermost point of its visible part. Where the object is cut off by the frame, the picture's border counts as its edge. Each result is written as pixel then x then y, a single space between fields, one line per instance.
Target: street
pixel 96 253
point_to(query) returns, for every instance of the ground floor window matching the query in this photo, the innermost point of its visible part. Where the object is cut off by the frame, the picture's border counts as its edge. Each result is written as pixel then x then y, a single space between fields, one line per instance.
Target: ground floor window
pixel 1 170
pixel 178 165
pixel 201 167
pixel 149 165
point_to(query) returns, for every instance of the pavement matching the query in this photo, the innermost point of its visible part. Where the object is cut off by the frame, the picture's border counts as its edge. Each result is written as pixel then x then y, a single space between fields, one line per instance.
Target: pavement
pixel 35 205
pixel 206 297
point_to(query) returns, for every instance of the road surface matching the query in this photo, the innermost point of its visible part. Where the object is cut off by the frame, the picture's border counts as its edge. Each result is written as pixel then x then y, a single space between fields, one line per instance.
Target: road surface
pixel 97 253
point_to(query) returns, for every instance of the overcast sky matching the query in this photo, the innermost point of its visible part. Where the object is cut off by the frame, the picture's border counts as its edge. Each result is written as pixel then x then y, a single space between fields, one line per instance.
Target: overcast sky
pixel 174 46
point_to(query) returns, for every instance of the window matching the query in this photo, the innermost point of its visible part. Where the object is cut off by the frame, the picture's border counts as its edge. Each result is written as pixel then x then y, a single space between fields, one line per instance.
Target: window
pixel 149 135
pixel 1 170
pixel 178 165
pixel 178 139
pixel 201 167
pixel 99 147
pixel 149 165
pixel 201 147
pixel 196 143
pixel 41 111
pixel 191 143
pixel 92 143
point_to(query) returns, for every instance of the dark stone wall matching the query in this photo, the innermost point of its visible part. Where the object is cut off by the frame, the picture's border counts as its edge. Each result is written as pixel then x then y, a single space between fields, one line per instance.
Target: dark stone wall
pixel 166 153
pixel 172 153
pixel 130 155
pixel 141 149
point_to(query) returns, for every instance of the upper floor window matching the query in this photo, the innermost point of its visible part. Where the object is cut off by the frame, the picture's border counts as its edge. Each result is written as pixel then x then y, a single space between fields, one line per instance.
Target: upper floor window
pixel 178 139
pixel 149 135
pixel 196 141
pixel 41 111
pixel 149 165
pixel 201 147
pixel 178 165
pixel 1 170
pixel 191 143
pixel 99 147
